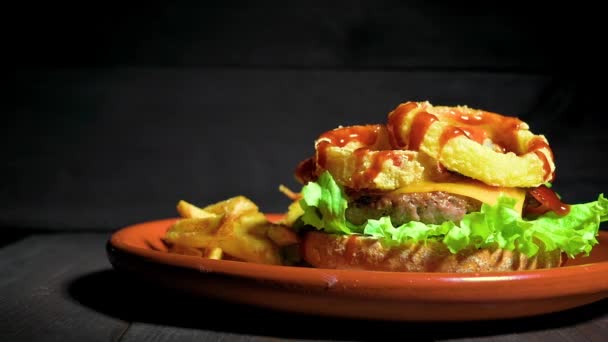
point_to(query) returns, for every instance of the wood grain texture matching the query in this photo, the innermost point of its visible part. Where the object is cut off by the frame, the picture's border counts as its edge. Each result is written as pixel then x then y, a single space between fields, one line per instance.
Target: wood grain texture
pixel 60 287
pixel 35 303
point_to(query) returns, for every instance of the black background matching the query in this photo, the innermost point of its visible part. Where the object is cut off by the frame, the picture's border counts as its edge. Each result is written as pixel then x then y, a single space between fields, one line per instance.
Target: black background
pixel 114 113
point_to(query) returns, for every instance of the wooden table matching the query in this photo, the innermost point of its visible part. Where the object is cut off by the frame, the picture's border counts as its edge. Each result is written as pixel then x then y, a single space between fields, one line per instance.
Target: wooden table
pixel 60 286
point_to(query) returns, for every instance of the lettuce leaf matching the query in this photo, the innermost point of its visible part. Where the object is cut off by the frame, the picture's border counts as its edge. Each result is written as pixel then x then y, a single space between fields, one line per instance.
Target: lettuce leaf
pixel 324 203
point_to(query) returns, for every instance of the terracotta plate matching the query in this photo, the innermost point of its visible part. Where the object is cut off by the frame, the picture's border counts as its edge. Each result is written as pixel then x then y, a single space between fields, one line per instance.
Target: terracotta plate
pixel 138 249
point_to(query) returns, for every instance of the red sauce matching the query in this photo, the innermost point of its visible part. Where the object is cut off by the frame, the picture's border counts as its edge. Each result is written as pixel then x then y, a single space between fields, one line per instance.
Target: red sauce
pixel 378 159
pixel 502 130
pixel 548 202
pixel 305 171
pixel 535 145
pixel 420 125
pixel 340 137
pixel 396 120
pixel 546 165
pixel 450 132
pixel 322 153
pixel 475 119
pixel 359 156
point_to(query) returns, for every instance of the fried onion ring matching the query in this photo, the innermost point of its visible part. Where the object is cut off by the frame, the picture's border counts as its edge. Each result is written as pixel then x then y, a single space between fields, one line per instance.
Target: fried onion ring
pixel 419 140
pixel 362 157
pixel 495 149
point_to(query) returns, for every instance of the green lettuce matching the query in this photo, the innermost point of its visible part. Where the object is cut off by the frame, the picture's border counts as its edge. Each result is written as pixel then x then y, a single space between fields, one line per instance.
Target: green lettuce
pixel 324 203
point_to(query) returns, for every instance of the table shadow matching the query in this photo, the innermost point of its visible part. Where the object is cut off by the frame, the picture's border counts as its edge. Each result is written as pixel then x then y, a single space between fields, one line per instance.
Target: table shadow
pixel 128 298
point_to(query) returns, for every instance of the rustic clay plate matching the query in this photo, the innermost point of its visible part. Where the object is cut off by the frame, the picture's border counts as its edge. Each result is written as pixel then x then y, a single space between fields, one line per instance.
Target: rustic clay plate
pixel 138 249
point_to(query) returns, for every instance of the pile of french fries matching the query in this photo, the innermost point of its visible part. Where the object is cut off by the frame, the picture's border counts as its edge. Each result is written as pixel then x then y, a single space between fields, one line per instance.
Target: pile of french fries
pixel 232 229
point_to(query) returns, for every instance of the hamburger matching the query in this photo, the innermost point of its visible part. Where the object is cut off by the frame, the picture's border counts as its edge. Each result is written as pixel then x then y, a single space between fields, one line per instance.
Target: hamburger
pixel 438 189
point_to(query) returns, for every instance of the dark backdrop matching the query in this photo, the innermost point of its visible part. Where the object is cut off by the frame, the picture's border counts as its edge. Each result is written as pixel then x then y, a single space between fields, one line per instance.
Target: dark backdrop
pixel 114 113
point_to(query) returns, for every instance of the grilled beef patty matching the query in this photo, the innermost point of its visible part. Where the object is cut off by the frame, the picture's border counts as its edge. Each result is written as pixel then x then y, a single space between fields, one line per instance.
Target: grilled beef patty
pixel 427 207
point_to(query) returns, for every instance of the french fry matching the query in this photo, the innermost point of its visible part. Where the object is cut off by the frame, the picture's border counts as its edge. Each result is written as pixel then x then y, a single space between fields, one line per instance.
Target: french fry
pixel 215 253
pixel 233 227
pixel 282 236
pixel 207 224
pixel 294 211
pixel 193 232
pixel 294 196
pixel 188 210
pixel 234 206
pixel 244 237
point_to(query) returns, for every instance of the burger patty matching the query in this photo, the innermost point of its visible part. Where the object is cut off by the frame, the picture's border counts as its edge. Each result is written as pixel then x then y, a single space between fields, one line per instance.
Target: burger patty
pixel 427 207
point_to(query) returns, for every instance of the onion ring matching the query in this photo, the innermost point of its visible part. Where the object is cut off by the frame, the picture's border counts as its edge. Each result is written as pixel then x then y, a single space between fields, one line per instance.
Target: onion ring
pixel 361 157
pixel 420 139
pixel 495 149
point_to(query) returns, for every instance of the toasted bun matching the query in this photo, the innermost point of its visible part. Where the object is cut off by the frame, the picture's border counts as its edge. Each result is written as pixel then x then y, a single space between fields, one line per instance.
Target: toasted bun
pixel 324 250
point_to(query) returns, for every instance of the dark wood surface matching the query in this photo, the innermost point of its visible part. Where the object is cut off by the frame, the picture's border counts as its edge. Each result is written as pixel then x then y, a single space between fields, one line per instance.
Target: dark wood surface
pixel 61 287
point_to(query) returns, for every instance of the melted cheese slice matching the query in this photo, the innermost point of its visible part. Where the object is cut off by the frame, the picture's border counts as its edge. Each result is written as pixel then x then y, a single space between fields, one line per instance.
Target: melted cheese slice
pixel 479 191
